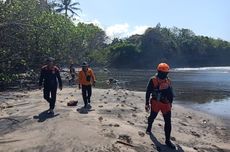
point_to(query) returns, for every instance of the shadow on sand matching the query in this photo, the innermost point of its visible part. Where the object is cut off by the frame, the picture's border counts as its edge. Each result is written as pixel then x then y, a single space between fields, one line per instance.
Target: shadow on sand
pixel 84 110
pixel 43 116
pixel 162 147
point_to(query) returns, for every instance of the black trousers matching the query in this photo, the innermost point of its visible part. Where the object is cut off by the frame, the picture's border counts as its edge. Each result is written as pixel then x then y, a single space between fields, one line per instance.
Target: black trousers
pixel 167 127
pixel 50 99
pixel 86 93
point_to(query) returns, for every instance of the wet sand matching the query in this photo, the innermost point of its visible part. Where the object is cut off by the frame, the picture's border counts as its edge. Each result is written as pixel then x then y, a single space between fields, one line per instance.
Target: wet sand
pixel 116 123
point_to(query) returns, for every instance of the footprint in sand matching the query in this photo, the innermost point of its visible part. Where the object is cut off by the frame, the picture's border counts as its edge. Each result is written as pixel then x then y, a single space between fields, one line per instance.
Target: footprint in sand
pixel 134 115
pixel 125 138
pixel 119 116
pixel 140 133
pixel 131 123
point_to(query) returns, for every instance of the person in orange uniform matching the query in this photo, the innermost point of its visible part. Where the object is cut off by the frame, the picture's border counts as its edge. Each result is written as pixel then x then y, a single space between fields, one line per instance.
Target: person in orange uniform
pixel 160 88
pixel 86 80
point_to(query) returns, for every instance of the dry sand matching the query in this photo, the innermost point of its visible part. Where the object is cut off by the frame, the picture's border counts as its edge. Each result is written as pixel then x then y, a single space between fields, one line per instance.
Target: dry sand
pixel 116 123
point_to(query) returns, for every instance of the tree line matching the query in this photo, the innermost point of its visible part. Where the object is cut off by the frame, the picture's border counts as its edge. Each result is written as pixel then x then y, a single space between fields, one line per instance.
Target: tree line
pixel 31 31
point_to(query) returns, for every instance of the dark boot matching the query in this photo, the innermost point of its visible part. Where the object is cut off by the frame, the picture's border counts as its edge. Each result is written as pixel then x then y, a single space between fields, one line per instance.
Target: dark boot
pixel 170 144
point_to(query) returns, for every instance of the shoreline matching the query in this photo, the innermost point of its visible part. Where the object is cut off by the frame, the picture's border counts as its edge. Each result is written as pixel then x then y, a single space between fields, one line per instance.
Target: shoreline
pixel 117 117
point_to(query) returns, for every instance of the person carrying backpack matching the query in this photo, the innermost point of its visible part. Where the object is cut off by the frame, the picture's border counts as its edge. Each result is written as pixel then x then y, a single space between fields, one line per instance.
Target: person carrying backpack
pixel 159 86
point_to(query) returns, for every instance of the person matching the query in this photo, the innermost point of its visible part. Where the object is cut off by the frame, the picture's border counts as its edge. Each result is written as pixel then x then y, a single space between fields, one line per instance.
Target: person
pixel 48 78
pixel 160 88
pixel 72 74
pixel 86 80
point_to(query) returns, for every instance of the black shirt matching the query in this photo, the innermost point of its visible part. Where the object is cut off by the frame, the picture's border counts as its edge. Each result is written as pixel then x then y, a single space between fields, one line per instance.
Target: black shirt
pixel 50 76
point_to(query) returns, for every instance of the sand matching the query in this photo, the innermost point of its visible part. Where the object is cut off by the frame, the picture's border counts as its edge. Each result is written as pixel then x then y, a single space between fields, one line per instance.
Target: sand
pixel 116 123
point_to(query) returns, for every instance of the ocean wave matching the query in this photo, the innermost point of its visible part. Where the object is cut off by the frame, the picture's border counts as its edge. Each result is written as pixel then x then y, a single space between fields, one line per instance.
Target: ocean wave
pixel 226 69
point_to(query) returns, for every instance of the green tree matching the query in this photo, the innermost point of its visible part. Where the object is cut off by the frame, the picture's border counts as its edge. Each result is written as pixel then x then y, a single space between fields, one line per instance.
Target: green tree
pixel 67 6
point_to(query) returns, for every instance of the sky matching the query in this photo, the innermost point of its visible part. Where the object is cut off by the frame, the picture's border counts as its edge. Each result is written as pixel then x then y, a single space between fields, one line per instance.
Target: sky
pixel 122 18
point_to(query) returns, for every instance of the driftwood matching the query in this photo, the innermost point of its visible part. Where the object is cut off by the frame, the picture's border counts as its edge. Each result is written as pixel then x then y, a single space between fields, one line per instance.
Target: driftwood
pixel 124 143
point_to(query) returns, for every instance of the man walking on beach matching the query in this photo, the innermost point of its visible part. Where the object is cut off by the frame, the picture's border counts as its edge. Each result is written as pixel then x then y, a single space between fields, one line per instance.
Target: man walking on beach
pixel 162 97
pixel 49 76
pixel 86 80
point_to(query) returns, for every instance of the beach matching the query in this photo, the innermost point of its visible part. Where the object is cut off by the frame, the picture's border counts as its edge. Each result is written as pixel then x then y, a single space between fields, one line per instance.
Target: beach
pixel 116 123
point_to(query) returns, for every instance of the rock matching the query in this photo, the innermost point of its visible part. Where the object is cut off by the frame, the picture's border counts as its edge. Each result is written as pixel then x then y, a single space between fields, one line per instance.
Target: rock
pixel 116 125
pixel 131 123
pixel 100 106
pixel 134 115
pixel 100 119
pixel 183 124
pixel 190 117
pixel 123 101
pixel 140 133
pixel 72 103
pixel 173 138
pixel 195 148
pixel 159 125
pixel 204 121
pixel 195 134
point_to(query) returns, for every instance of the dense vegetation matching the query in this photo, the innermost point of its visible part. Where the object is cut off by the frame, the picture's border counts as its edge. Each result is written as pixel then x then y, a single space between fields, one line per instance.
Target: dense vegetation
pixel 32 30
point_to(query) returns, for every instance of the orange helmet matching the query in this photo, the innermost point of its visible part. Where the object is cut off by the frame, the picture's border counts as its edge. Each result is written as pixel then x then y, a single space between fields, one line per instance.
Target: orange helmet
pixel 163 67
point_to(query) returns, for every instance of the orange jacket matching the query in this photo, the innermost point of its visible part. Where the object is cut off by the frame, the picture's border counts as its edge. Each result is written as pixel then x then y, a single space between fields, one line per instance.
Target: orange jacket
pixel 83 76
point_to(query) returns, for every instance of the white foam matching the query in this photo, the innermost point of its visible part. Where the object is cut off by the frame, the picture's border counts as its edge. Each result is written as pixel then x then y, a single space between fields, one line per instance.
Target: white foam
pixel 226 68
